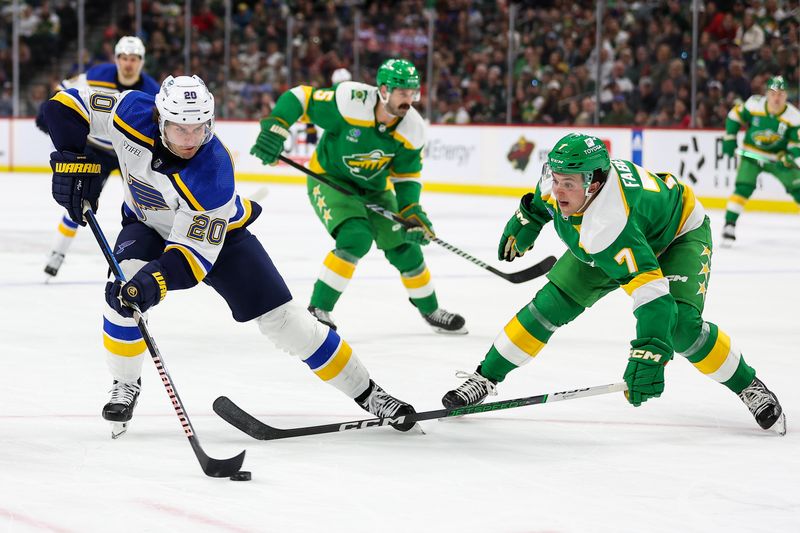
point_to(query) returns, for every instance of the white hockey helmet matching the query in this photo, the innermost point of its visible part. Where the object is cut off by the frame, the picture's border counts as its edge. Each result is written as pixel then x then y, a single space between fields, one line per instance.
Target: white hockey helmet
pixel 341 74
pixel 185 100
pixel 130 45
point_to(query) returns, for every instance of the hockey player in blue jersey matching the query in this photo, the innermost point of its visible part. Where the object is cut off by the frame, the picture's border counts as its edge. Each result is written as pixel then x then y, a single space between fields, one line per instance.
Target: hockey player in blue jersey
pixel 122 75
pixel 183 223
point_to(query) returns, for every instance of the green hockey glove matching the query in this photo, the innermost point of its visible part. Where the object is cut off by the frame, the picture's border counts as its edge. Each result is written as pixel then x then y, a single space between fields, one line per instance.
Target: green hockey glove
pixel 269 144
pixel 729 145
pixel 423 232
pixel 787 160
pixel 519 233
pixel 645 371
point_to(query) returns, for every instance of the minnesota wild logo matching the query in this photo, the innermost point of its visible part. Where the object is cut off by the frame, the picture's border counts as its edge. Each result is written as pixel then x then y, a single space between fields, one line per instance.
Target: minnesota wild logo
pixel 358 94
pixel 765 137
pixel 520 153
pixel 367 166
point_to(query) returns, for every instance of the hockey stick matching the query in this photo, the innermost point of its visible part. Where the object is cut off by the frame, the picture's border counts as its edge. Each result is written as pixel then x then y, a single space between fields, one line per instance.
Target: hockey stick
pixel 759 157
pixel 540 268
pixel 234 415
pixel 211 467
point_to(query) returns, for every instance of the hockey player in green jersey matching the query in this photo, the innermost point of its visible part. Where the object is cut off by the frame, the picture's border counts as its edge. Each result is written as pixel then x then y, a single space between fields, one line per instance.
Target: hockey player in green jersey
pixel 624 227
pixel 771 145
pixel 372 144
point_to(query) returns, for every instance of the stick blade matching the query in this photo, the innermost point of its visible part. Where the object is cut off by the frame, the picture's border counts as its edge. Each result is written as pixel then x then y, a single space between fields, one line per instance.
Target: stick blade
pixel 539 269
pixel 243 421
pixel 216 467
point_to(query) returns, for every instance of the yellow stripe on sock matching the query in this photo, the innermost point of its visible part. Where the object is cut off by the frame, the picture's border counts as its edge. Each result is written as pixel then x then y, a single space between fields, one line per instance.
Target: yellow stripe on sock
pixel 339 265
pixel 124 349
pixel 521 338
pixel 336 364
pixel 714 360
pixel 738 199
pixel 66 231
pixel 418 281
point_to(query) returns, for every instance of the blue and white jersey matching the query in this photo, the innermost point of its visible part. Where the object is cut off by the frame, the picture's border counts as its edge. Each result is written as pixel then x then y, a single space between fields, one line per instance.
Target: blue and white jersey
pixel 192 203
pixel 104 78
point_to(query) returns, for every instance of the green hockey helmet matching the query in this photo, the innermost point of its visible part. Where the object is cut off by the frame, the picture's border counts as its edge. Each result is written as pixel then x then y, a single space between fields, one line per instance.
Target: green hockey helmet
pixel 399 74
pixel 776 83
pixel 580 154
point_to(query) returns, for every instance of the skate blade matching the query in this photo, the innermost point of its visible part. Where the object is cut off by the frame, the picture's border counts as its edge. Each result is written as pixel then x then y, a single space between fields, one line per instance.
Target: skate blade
pixel 118 429
pixel 726 243
pixel 417 429
pixel 462 331
pixel 779 426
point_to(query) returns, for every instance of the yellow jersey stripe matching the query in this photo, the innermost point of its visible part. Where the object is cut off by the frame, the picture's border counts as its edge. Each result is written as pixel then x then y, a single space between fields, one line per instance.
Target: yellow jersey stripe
pixel 69 101
pixel 420 280
pixel 641 279
pixel 719 352
pixel 689 201
pixel 189 196
pixel 403 140
pixel 314 165
pixel 339 265
pixel 394 174
pixel 107 84
pixel 144 138
pixel 358 122
pixel 248 210
pixel 194 264
pixel 124 349
pixel 335 365
pixel 521 338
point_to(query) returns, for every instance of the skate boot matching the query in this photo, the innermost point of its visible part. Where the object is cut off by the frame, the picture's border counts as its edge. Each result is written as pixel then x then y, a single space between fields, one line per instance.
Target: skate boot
pixel 53 263
pixel 381 404
pixel 119 409
pixel 472 392
pixel 764 406
pixel 728 235
pixel 323 316
pixel 445 322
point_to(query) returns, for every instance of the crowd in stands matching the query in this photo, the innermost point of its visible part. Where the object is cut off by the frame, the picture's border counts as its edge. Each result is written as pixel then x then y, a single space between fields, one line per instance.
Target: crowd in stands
pixel 644 61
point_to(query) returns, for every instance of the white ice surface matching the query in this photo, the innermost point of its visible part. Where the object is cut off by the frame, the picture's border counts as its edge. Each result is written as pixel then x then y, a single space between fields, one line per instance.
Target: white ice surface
pixel 693 460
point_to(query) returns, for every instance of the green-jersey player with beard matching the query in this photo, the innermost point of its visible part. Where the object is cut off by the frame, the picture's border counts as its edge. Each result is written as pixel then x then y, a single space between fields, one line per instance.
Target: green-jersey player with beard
pixel 372 146
pixel 627 227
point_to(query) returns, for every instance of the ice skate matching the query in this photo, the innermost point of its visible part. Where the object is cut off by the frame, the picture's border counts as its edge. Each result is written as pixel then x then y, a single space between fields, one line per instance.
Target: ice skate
pixel 381 404
pixel 445 322
pixel 53 263
pixel 472 392
pixel 119 409
pixel 323 316
pixel 728 235
pixel 764 406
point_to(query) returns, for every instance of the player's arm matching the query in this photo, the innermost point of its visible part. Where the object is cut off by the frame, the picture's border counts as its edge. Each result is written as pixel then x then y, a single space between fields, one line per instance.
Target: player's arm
pixel 737 117
pixel 69 117
pixel 534 211
pixel 191 249
pixel 314 105
pixel 791 157
pixel 631 261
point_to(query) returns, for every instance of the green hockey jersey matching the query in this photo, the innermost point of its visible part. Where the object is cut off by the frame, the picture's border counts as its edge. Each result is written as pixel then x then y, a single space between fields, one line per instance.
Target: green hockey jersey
pixel 355 148
pixel 768 135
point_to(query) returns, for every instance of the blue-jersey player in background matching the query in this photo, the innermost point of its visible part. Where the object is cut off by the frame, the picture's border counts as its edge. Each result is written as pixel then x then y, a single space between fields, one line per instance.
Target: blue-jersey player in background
pixel 183 223
pixel 122 75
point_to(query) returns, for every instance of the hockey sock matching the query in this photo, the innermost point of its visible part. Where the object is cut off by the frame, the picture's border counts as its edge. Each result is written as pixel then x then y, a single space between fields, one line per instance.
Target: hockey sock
pixel 736 202
pixel 124 346
pixel 713 355
pixel 66 234
pixel 415 276
pixel 353 241
pixel 526 334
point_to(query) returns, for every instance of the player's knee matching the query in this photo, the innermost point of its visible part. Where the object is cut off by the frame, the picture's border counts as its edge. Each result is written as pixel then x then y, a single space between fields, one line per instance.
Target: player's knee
pixel 354 237
pixel 554 306
pixel 687 327
pixel 405 257
pixel 293 329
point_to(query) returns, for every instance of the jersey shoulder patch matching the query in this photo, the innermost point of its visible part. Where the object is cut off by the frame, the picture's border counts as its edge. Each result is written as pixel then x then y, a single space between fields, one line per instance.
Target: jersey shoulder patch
pixel 103 76
pixel 356 102
pixel 606 218
pixel 134 118
pixel 756 104
pixel 411 130
pixel 207 181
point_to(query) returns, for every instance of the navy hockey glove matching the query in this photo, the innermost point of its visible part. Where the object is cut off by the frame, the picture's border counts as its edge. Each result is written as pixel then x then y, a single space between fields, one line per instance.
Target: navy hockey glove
pixel 269 144
pixel 645 371
pixel 519 233
pixel 145 289
pixel 76 178
pixel 423 230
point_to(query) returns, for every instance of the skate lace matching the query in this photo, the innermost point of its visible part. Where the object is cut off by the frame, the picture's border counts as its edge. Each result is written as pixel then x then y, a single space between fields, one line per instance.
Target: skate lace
pixel 756 397
pixel 124 393
pixel 440 316
pixel 381 404
pixel 476 386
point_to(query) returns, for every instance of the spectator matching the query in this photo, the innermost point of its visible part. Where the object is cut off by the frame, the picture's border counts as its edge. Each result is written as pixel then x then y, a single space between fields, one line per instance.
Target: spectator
pixel 749 36
pixel 619 115
pixel 736 82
